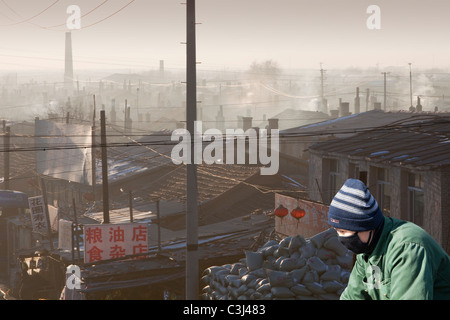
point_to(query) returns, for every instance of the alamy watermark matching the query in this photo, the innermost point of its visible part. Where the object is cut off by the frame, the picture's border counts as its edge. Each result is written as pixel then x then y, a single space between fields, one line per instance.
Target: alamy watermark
pixel 260 147
pixel 374 277
pixel 73 277
pixel 73 22
pixel 374 20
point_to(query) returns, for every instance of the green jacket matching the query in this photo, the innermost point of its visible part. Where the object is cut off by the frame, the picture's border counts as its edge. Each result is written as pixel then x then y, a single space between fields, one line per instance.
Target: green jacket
pixel 407 263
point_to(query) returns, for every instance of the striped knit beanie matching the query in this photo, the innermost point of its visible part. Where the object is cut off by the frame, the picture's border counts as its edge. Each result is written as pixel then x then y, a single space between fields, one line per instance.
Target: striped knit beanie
pixel 354 208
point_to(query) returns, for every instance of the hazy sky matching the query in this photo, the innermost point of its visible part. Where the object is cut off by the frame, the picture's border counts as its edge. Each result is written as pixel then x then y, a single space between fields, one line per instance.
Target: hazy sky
pixel 232 33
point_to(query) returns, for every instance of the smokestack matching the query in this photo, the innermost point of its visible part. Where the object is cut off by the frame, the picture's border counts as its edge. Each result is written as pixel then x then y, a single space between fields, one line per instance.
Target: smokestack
pixel 68 70
pixel 357 102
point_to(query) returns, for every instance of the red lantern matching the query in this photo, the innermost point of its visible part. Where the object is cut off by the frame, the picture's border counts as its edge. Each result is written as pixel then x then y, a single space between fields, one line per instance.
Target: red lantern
pixel 298 213
pixel 281 211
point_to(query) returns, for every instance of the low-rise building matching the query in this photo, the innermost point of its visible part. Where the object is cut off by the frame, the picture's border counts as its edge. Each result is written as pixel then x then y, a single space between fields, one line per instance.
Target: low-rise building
pixel 406 167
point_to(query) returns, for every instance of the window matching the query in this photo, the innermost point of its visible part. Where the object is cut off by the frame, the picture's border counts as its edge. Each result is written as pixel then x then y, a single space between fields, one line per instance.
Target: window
pixel 415 198
pixel 384 190
pixel 353 171
pixel 334 181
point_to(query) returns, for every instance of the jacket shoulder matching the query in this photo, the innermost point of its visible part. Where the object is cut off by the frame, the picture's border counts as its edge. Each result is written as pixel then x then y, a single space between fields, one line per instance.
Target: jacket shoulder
pixel 405 232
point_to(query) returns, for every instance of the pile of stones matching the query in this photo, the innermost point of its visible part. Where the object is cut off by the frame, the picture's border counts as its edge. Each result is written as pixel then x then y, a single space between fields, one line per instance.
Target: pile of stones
pixel 317 268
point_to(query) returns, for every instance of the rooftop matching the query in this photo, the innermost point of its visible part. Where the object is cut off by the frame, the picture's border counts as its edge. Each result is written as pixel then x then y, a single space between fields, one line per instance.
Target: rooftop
pixel 418 143
pixel 364 121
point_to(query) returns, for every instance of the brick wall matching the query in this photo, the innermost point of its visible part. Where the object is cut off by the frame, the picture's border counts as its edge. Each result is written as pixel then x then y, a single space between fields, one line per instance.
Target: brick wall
pixel 445 196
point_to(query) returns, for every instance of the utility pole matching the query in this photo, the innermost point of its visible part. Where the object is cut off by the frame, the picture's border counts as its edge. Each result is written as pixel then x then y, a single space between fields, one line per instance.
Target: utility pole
pixel 192 274
pixel 385 73
pixel 47 216
pixel 6 144
pixel 130 204
pixel 158 215
pixel 104 167
pixel 93 164
pixel 75 229
pixel 410 84
pixel 125 117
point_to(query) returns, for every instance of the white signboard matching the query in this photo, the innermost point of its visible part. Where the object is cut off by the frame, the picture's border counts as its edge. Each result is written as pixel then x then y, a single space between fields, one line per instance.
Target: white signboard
pixel 38 214
pixel 110 241
pixel 53 215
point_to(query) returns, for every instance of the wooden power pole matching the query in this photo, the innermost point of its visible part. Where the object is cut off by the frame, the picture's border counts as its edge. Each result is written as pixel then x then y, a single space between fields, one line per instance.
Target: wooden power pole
pixel 104 168
pixel 192 274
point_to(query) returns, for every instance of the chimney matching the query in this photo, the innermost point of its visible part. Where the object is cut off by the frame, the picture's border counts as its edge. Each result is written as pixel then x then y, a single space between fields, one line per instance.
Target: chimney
pixel 273 123
pixel 161 69
pixel 373 100
pixel 357 102
pixel 180 125
pixel 220 120
pixel 419 106
pixel 367 99
pixel 68 70
pixel 247 123
pixel 324 105
pixel 344 109
pixel 377 105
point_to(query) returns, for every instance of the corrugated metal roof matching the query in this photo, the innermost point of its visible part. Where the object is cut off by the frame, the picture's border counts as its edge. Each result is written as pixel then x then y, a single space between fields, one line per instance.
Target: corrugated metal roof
pixel 418 144
pixel 133 156
pixel 357 123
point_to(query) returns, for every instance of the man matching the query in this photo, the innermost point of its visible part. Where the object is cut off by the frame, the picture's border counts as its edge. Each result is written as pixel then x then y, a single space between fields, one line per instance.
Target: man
pixel 394 259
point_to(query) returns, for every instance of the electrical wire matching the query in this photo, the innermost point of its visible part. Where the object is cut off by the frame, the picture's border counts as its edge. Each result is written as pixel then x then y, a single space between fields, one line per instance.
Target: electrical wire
pixel 111 15
pixel 82 16
pixel 32 17
pixel 59 25
pixel 265 189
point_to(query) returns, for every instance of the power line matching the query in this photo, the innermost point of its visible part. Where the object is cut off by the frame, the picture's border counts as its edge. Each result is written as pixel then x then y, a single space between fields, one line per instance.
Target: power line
pixel 59 25
pixel 111 15
pixel 82 16
pixel 265 189
pixel 32 17
pixel 165 142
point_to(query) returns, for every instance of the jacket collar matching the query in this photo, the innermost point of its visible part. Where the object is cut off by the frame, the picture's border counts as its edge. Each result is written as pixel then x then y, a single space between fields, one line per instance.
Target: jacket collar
pixel 382 244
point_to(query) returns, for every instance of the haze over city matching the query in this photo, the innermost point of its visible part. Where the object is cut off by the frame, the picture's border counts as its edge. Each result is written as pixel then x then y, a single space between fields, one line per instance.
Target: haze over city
pixel 137 165
pixel 135 35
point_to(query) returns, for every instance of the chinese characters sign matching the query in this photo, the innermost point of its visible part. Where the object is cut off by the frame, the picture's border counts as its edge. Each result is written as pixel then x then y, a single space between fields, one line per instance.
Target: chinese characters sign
pixel 110 241
pixel 38 214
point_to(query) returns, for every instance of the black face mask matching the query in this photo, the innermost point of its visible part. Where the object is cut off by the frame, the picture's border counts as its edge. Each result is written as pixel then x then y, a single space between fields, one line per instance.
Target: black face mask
pixel 354 243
